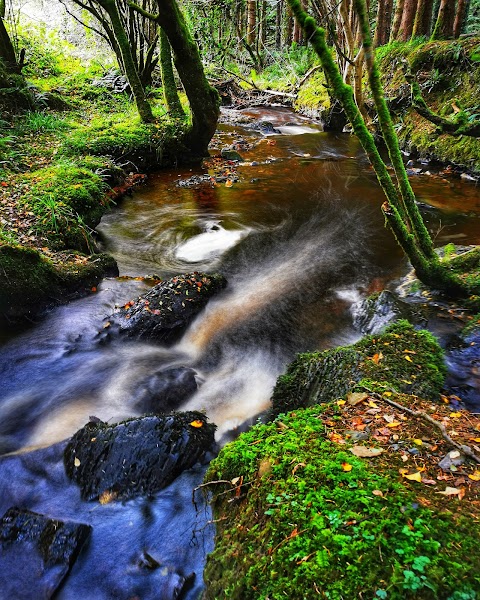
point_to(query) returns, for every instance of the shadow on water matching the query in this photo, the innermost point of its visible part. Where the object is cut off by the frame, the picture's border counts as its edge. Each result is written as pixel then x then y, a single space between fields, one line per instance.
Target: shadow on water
pixel 299 237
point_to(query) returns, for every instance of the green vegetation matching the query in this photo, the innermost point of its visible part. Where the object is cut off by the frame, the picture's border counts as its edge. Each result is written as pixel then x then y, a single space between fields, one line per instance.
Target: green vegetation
pixel 401 359
pixel 306 519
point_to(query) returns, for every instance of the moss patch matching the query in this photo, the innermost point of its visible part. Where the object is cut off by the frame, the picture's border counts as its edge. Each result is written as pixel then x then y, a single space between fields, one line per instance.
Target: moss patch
pixel 400 359
pixel 304 518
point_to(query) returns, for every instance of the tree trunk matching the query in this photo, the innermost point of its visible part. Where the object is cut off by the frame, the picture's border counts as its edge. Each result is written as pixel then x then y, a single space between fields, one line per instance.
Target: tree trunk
pixel 170 93
pixel 460 17
pixel 423 19
pixel 203 99
pixel 131 73
pixel 443 29
pixel 288 28
pixel 7 52
pixel 278 25
pixel 397 19
pixel 383 25
pixel 251 21
pixel 408 18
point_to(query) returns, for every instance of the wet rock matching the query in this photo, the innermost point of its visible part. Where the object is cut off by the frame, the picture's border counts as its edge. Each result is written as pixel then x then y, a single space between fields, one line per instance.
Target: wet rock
pixel 379 310
pixel 228 154
pixel 313 378
pixel 37 553
pixel 137 457
pixel 463 364
pixel 195 181
pixel 166 390
pixel 334 119
pixel 164 312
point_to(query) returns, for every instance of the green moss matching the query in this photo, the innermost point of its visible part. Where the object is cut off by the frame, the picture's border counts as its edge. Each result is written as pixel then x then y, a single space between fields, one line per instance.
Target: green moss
pixel 400 359
pixel 313 94
pixel 302 527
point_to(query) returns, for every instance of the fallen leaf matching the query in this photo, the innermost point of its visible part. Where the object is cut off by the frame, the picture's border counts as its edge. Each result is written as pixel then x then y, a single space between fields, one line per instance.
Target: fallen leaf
pixel 394 424
pixel 228 183
pixel 450 491
pixel 474 440
pixel 414 477
pixel 377 357
pixel 235 480
pixel 107 496
pixel 77 462
pixel 429 481
pixel 196 424
pixel 340 402
pixel 475 476
pixel 418 442
pixel 408 358
pixel 337 438
pixel 462 493
pixel 377 493
pixel 346 466
pixel 365 451
pixel 410 351
pixel 455 415
pixel 356 397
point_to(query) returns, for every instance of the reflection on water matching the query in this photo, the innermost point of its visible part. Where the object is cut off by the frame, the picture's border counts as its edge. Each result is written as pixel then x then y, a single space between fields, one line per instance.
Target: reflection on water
pixel 300 237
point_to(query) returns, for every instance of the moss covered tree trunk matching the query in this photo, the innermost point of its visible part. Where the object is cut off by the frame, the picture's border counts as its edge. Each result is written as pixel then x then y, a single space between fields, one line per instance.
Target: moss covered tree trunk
pixel 400 208
pixel 203 99
pixel 443 29
pixel 143 107
pixel 423 18
pixel 397 19
pixel 170 93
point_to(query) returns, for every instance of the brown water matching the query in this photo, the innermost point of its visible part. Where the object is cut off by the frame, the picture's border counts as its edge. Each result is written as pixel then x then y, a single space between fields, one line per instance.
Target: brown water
pixel 300 238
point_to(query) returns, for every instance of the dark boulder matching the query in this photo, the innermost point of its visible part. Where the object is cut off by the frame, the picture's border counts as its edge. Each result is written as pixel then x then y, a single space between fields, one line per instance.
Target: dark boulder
pixel 37 553
pixel 137 457
pixel 166 390
pixel 164 312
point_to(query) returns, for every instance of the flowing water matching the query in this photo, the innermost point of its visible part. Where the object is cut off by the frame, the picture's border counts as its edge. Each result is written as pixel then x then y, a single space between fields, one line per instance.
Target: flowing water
pixel 298 233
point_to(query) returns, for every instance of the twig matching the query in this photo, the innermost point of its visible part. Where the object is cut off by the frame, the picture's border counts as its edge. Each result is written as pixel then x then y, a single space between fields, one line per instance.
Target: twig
pixel 240 77
pixel 422 415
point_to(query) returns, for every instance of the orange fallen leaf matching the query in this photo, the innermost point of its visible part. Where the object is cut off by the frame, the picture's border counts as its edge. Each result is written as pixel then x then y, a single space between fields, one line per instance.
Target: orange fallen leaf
pixel 196 423
pixel 228 183
pixel 377 357
pixel 346 466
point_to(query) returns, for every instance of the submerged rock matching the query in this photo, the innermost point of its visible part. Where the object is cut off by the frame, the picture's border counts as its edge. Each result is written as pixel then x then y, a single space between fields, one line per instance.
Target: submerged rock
pixel 166 390
pixel 137 457
pixel 463 364
pixel 37 553
pixel 164 312
pixel 400 359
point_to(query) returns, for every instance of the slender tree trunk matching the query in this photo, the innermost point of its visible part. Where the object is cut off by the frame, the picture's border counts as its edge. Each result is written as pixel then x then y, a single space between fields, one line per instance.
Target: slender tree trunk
pixel 288 28
pixel 460 18
pixel 423 19
pixel 143 107
pixel 7 52
pixel 397 19
pixel 383 24
pixel 251 21
pixel 170 93
pixel 278 25
pixel 443 29
pixel 408 18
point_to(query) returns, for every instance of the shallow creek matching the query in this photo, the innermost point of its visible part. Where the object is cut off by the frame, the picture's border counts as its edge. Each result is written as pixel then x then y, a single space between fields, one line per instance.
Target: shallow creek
pixel 299 235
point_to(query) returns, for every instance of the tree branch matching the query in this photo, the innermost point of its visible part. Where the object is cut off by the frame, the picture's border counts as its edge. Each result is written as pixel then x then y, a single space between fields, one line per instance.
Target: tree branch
pixel 143 12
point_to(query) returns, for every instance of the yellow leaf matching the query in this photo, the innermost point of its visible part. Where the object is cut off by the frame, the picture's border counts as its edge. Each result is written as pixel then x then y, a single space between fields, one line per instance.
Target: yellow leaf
pixel 372 404
pixel 77 462
pixel 475 440
pixel 341 402
pixel 393 424
pixel 228 183
pixel 410 351
pixel 347 466
pixel 408 358
pixel 387 394
pixel 455 415
pixel 414 477
pixel 107 496
pixel 418 442
pixel 196 423
pixel 475 476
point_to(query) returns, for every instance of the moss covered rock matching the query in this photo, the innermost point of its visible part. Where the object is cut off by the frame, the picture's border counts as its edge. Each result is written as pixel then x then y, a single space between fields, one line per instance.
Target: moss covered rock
pixel 304 518
pixel 401 358
pixel 29 281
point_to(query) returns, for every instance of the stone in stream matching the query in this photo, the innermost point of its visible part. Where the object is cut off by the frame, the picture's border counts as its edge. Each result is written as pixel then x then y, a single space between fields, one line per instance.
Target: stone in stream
pixel 165 390
pixel 137 457
pixel 379 310
pixel 229 154
pixel 165 311
pixel 37 553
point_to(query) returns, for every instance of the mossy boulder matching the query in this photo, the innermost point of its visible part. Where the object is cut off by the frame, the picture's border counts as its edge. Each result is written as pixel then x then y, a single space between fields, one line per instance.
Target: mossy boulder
pixel 137 457
pixel 29 281
pixel 164 312
pixel 304 518
pixel 402 358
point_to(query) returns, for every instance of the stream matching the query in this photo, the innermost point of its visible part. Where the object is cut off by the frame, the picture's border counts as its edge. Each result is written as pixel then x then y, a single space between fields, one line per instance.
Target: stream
pixel 297 230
